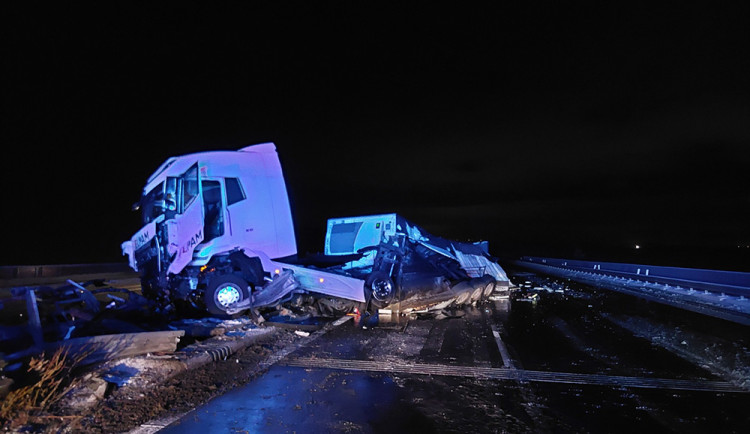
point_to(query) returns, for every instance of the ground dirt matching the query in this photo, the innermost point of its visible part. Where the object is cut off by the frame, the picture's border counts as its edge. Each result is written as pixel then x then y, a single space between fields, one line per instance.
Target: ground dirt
pixel 129 407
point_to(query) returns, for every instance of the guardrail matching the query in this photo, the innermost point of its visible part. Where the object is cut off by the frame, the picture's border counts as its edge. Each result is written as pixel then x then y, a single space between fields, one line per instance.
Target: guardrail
pixel 721 294
pixel 727 282
pixel 31 271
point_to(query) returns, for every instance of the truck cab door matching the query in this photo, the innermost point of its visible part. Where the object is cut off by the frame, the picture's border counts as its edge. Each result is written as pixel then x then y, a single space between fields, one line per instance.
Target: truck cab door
pixel 185 231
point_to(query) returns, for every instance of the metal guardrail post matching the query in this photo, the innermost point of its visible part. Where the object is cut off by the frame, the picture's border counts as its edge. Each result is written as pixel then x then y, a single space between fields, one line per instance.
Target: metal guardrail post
pixel 34 323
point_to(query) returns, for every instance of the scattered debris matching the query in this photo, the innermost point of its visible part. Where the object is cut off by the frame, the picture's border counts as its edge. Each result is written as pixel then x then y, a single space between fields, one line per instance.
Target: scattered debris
pixel 108 347
pixel 92 390
pixel 120 374
pixel 198 328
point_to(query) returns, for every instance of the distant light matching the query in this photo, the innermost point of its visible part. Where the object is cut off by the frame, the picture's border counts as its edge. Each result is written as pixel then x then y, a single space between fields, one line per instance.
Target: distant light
pixel 320 280
pixel 277 271
pixel 637 246
pixel 203 268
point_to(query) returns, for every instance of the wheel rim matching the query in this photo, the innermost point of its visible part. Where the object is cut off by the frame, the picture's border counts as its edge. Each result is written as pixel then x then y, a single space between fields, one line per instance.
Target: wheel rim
pixel 227 295
pixel 381 289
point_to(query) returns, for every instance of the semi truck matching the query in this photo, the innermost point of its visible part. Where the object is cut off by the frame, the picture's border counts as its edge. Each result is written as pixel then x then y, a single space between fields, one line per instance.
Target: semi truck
pixel 217 227
pixel 218 235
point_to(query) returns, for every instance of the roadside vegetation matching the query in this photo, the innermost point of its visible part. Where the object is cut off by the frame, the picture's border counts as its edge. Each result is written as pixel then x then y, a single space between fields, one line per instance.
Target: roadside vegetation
pixel 49 379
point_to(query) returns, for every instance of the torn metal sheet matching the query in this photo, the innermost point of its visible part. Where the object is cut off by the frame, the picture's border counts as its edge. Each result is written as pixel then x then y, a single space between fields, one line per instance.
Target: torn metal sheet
pixel 278 288
pixel 479 265
pixel 401 260
pixel 32 317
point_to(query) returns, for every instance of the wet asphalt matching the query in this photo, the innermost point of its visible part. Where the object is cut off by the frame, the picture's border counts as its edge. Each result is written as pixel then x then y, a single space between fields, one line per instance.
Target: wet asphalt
pixel 559 333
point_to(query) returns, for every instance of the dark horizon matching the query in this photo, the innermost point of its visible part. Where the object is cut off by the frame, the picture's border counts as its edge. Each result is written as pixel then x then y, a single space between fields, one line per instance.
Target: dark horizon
pixel 548 130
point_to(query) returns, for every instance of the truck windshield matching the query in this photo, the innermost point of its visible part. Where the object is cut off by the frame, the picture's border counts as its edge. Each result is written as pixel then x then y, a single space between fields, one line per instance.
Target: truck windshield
pixel 160 200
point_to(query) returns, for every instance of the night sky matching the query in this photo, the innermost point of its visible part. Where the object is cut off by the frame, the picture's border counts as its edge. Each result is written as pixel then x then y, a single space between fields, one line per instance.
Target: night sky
pixel 552 129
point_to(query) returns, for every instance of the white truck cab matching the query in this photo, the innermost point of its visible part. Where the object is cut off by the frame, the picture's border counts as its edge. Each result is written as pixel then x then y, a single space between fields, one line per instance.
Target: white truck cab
pixel 216 225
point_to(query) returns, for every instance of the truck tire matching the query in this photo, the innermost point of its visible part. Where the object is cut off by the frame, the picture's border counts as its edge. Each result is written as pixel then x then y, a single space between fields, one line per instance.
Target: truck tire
pixel 476 295
pixel 380 289
pixel 489 289
pixel 224 290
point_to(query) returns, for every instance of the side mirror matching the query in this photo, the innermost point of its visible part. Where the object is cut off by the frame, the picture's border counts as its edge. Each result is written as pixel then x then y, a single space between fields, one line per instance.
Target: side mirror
pixel 170 202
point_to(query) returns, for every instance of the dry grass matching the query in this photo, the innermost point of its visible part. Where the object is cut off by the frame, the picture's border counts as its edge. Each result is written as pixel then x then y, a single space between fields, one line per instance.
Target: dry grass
pixel 53 382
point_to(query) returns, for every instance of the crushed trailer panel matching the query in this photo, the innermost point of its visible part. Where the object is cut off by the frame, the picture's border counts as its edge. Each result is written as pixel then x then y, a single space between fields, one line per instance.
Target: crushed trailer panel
pixel 399 258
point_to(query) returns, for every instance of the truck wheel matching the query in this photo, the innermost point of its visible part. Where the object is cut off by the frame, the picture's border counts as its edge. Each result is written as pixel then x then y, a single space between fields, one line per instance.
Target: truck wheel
pixel 489 289
pixel 476 295
pixel 224 291
pixel 380 288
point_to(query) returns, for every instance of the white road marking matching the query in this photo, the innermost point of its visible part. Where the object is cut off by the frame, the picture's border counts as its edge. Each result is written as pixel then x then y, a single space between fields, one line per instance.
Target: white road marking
pixel 507 361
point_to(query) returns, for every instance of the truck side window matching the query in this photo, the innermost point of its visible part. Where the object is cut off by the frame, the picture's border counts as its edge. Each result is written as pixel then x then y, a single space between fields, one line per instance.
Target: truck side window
pixel 189 186
pixel 234 190
pixel 152 204
pixel 170 197
pixel 213 221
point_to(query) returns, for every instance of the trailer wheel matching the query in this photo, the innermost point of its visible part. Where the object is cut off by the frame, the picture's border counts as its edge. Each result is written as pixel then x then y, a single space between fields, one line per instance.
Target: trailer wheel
pixel 476 295
pixel 489 289
pixel 223 291
pixel 380 288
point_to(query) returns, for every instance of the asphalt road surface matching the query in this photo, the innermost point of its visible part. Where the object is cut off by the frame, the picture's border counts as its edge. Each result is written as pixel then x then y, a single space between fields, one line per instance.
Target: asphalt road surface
pixel 556 364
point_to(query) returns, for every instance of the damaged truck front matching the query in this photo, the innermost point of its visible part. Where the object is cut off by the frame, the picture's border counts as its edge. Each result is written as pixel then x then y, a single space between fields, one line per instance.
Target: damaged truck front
pixel 217 227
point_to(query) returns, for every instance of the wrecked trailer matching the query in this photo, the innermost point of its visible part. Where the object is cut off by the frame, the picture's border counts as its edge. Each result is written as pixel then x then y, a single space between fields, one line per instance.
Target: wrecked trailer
pixel 399 260
pixel 404 267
